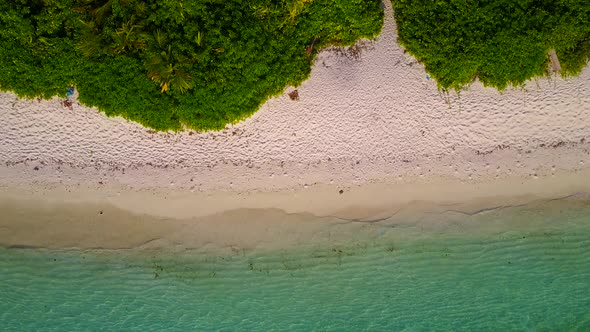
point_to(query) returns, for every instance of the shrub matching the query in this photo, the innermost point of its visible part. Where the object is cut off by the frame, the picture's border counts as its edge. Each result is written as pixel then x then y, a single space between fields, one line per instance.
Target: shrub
pixel 169 63
pixel 501 42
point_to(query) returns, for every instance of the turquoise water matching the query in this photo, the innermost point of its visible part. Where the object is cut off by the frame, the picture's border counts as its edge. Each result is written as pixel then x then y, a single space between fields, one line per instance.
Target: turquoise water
pixel 521 269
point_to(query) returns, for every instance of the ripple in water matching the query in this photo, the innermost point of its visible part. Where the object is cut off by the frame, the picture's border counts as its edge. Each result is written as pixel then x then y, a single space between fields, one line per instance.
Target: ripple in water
pixel 515 269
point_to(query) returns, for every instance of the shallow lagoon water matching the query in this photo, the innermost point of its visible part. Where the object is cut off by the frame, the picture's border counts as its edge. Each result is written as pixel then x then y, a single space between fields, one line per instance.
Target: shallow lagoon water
pixel 525 268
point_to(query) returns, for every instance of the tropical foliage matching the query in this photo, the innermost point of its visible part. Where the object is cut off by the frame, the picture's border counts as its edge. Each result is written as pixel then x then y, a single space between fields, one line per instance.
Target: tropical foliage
pixel 500 42
pixel 168 63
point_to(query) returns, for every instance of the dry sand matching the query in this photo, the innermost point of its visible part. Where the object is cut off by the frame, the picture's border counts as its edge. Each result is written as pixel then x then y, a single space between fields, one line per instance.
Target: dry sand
pixel 369 124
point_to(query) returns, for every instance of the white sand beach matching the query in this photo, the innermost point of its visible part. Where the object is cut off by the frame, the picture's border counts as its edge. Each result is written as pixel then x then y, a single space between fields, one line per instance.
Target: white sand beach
pixel 369 134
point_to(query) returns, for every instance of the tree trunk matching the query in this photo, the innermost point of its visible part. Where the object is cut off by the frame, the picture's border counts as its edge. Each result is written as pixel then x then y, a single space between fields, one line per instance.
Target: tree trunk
pixel 555 65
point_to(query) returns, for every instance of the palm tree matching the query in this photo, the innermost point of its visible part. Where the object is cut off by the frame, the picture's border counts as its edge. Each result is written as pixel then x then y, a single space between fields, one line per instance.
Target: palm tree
pixel 91 43
pixel 168 74
pixel 128 37
pixel 102 12
pixel 98 40
pixel 165 69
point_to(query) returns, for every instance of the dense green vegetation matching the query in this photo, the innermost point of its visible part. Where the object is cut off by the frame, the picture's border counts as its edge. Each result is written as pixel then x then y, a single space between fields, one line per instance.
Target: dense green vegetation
pixel 500 42
pixel 169 63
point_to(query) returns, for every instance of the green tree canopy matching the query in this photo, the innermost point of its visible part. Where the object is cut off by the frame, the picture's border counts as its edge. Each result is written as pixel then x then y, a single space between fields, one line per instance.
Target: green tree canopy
pixel 500 42
pixel 169 63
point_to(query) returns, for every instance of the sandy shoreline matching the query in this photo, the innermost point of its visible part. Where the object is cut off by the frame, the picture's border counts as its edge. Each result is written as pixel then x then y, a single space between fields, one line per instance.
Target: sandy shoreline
pixel 373 127
pixel 226 221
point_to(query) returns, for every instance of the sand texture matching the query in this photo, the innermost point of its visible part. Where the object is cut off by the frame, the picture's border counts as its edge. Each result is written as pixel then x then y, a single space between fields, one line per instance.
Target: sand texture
pixel 357 119
pixel 367 115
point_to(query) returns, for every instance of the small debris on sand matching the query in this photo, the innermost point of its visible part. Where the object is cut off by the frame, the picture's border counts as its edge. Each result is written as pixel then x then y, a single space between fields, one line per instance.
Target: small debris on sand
pixel 294 95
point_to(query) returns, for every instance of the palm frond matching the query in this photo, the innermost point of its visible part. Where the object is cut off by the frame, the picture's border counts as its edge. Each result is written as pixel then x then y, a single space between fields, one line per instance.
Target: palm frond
pixel 181 80
pixel 161 70
pixel 141 9
pixel 199 38
pixel 160 38
pixel 90 44
pixel 103 11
